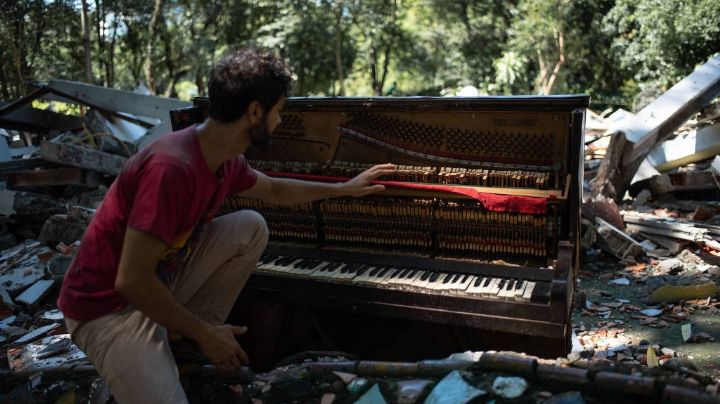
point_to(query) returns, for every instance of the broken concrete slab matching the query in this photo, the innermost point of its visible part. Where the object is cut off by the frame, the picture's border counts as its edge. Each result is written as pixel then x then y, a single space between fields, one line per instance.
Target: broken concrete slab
pixel 634 136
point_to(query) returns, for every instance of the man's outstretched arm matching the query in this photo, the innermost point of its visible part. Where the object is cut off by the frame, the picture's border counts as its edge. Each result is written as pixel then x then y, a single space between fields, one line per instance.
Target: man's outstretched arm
pixel 136 281
pixel 285 191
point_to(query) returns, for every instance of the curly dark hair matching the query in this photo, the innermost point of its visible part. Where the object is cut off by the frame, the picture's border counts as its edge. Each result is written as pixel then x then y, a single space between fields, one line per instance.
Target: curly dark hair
pixel 244 76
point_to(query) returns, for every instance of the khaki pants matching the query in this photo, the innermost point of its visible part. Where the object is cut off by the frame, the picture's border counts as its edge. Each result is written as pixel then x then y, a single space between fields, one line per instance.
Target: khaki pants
pixel 131 352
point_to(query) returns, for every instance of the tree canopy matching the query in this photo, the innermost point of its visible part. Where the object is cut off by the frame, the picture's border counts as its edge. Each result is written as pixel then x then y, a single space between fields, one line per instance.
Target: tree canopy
pixel 611 49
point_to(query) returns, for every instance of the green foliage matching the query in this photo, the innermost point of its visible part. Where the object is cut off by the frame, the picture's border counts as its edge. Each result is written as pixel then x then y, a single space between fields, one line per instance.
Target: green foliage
pixel 611 49
pixel 662 41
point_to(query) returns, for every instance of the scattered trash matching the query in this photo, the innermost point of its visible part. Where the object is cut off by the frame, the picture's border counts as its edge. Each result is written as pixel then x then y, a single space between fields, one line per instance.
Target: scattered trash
pixel 652 359
pixel 686 330
pixel 569 397
pixel 671 293
pixel 372 396
pixel 357 385
pixel 651 312
pixel 509 387
pixel 345 377
pixel 408 391
pixel 620 281
pixel 701 337
pixel 453 389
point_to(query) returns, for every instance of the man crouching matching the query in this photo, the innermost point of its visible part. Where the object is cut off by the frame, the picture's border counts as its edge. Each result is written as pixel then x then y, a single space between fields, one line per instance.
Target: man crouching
pixel 155 260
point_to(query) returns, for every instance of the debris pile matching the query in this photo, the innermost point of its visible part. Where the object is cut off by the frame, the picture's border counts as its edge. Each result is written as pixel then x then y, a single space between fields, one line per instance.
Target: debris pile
pixel 483 376
pixel 51 160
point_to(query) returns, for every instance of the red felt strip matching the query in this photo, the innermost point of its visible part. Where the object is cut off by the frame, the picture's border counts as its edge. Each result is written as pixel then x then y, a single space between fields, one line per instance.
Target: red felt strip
pixel 492 202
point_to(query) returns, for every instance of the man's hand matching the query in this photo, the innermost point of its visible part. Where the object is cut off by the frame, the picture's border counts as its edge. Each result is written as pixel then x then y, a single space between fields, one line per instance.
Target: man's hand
pixel 218 343
pixel 360 185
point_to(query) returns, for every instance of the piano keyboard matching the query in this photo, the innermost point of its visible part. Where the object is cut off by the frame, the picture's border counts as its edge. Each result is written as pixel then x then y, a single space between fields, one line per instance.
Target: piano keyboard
pixel 392 277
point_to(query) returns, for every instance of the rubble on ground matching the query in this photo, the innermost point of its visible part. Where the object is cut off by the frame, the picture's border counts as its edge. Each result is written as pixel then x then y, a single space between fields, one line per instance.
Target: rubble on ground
pixel 646 306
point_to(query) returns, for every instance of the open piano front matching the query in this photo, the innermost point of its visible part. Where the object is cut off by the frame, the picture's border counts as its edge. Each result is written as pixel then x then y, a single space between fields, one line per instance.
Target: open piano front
pixel 476 234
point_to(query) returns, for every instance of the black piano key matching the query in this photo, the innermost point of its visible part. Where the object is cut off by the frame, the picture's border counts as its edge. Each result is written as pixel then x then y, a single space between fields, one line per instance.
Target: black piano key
pixel 361 269
pixel 384 271
pixel 425 276
pixel 434 277
pixel 487 282
pixel 299 264
pixel 501 285
pixel 447 279
pixel 518 284
pixel 510 285
pixel 267 259
pixel 477 282
pixel 541 293
pixel 464 278
pixel 411 274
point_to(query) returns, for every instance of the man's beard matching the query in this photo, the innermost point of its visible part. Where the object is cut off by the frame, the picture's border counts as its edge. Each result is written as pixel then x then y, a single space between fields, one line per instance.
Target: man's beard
pixel 260 135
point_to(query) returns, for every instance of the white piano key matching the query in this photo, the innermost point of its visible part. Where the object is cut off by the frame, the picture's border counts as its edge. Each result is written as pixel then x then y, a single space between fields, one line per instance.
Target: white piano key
pixel 528 291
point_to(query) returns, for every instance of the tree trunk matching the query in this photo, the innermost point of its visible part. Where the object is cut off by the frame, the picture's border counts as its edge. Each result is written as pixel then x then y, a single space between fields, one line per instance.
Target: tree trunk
pixel 338 48
pixel 101 37
pixel 373 71
pixel 200 83
pixel 388 48
pixel 544 82
pixel 86 41
pixel 560 62
pixel 152 30
pixel 111 53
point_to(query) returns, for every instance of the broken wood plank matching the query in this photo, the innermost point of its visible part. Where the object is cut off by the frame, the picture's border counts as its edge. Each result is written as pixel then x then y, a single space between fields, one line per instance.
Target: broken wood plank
pixel 119 101
pixel 17 279
pixel 616 242
pixel 54 177
pixel 24 164
pixel 35 334
pixel 26 118
pixel 634 136
pixel 78 156
pixel 32 295
pixel 696 146
pixel 673 246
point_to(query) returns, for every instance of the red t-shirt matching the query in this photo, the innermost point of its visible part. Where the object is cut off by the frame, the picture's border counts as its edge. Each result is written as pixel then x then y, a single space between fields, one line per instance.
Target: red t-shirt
pixel 166 190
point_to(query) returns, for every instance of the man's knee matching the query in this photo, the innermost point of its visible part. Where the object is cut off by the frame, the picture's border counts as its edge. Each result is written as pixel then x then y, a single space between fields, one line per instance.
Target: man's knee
pixel 252 224
pixel 256 222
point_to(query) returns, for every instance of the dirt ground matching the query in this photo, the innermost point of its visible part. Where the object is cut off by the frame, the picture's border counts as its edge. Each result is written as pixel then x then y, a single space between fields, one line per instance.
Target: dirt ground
pixel 621 331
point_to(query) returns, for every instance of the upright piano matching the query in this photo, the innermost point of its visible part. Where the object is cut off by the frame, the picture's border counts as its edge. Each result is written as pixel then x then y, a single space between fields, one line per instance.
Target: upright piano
pixel 475 236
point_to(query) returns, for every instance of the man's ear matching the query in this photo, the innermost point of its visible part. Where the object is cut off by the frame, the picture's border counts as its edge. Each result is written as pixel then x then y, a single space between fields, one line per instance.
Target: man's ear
pixel 255 112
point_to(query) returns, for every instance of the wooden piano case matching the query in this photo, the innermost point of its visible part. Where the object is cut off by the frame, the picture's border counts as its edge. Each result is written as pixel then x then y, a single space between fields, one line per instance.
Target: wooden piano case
pixel 487 188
